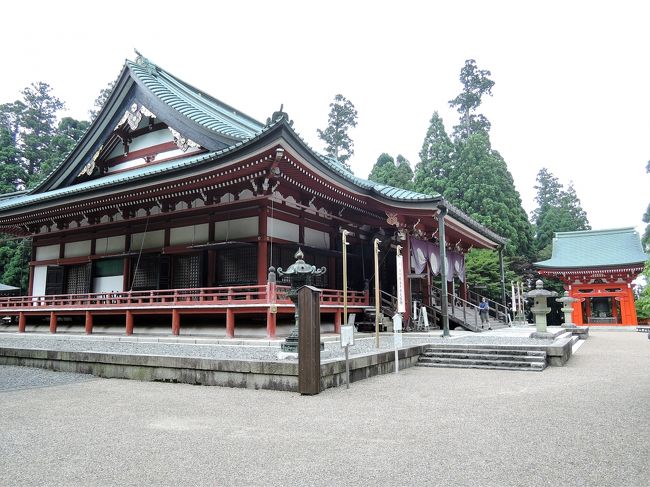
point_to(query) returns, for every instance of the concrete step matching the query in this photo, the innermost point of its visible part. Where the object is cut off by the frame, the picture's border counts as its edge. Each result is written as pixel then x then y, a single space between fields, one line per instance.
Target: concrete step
pixel 482 356
pixel 486 358
pixel 491 362
pixel 469 366
pixel 479 350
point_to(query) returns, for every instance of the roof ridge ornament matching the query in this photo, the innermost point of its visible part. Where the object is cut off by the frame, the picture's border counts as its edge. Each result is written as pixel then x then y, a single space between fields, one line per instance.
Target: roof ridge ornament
pixel 279 115
pixel 150 67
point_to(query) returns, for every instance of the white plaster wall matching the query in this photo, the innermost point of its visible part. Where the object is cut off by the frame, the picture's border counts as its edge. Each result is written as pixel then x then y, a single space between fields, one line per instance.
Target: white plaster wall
pixel 47 252
pixel 40 273
pixel 108 284
pixel 196 234
pixel 239 228
pixel 284 230
pixel 155 239
pixel 109 245
pixel 317 239
pixel 77 249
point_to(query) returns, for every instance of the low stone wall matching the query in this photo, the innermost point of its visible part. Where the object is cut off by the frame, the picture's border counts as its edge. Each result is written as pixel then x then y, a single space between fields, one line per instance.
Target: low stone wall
pixel 282 376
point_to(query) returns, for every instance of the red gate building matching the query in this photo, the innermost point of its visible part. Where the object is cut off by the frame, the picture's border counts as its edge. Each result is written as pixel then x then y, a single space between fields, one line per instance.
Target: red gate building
pixel 598 267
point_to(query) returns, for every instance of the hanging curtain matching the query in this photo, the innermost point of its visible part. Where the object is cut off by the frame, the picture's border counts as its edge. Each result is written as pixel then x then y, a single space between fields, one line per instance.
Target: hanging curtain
pixel 419 254
pixel 457 263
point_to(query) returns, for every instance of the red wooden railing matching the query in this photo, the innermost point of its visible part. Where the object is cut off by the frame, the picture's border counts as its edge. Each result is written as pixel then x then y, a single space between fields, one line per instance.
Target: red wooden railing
pixel 213 296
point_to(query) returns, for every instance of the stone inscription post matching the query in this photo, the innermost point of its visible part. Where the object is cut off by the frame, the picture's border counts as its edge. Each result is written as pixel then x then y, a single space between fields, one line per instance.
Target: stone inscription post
pixel 309 340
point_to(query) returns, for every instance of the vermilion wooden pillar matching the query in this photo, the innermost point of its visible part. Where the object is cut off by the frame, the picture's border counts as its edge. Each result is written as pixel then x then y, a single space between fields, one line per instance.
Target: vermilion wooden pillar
pixel 614 310
pixel 22 320
pixel 271 315
pixel 52 322
pixel 89 323
pixel 230 323
pixel 30 285
pixel 262 248
pixel 337 322
pixel 406 264
pixel 129 322
pixel 176 322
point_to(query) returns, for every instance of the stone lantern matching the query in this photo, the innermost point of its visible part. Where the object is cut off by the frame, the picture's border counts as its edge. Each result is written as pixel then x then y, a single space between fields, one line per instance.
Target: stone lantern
pixel 540 308
pixel 567 308
pixel 300 274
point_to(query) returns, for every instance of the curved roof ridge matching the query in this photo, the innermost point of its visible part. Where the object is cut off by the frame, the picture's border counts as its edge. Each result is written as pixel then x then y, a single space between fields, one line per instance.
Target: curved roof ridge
pixel 193 103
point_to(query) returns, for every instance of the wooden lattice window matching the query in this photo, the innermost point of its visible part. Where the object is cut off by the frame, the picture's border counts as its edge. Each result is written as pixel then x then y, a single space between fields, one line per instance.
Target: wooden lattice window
pixel 187 271
pixel 146 272
pixel 237 266
pixel 77 279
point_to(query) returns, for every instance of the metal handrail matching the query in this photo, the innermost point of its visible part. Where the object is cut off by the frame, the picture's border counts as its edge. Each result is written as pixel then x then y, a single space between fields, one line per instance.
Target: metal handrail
pixel 499 308
pixel 458 302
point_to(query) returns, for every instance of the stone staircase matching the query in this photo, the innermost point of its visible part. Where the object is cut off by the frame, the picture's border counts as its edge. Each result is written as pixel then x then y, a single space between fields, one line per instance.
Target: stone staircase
pixel 482 357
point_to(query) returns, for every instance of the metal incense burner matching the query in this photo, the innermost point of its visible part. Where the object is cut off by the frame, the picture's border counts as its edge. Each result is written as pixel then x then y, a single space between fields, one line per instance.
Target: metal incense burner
pixel 300 274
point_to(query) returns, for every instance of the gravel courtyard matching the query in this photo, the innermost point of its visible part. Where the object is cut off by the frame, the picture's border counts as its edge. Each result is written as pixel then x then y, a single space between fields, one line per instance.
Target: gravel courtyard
pixel 582 424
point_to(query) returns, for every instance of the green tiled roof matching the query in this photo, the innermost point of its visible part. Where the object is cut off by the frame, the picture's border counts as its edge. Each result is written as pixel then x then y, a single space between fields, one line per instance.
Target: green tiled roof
pixel 595 248
pixel 237 128
pixel 193 103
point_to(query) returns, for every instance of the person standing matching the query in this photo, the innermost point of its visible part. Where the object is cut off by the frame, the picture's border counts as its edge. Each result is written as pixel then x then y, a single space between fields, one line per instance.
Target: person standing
pixel 483 310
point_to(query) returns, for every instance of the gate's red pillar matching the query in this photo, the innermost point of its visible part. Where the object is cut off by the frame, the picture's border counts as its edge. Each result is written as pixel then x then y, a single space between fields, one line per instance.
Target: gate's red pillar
pixel 614 310
pixel 176 322
pixel 52 322
pixel 230 323
pixel 628 313
pixel 22 320
pixel 129 322
pixel 588 309
pixel 89 323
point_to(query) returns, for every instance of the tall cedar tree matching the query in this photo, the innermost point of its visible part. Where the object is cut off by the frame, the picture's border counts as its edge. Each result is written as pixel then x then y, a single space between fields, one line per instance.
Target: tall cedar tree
pixel 476 84
pixel 38 128
pixel 557 211
pixel 342 117
pixel 436 159
pixel 392 173
pixel 481 186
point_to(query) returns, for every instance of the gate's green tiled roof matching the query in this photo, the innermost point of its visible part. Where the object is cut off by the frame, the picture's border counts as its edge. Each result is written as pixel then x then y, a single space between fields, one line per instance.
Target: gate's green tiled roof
pixel 595 248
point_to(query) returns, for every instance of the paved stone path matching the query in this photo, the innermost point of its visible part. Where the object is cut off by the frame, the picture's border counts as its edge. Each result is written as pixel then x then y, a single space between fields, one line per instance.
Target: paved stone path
pixel 582 424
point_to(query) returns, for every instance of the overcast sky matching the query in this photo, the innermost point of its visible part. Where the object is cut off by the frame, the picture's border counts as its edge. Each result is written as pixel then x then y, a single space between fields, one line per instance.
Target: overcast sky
pixel 572 78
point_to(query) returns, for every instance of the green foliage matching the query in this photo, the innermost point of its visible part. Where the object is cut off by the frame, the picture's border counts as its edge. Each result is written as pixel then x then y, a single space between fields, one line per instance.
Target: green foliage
pixel 32 142
pixel 645 240
pixel 38 127
pixel 14 258
pixel 643 300
pixel 481 186
pixel 482 270
pixel 342 117
pixel 68 133
pixel 436 159
pixel 557 211
pixel 392 173
pixel 476 83
pixel 100 100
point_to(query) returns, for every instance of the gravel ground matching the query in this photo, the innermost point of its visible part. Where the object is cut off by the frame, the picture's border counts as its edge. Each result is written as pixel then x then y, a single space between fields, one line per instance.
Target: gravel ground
pixel 584 424
pixel 363 344
pixel 18 378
